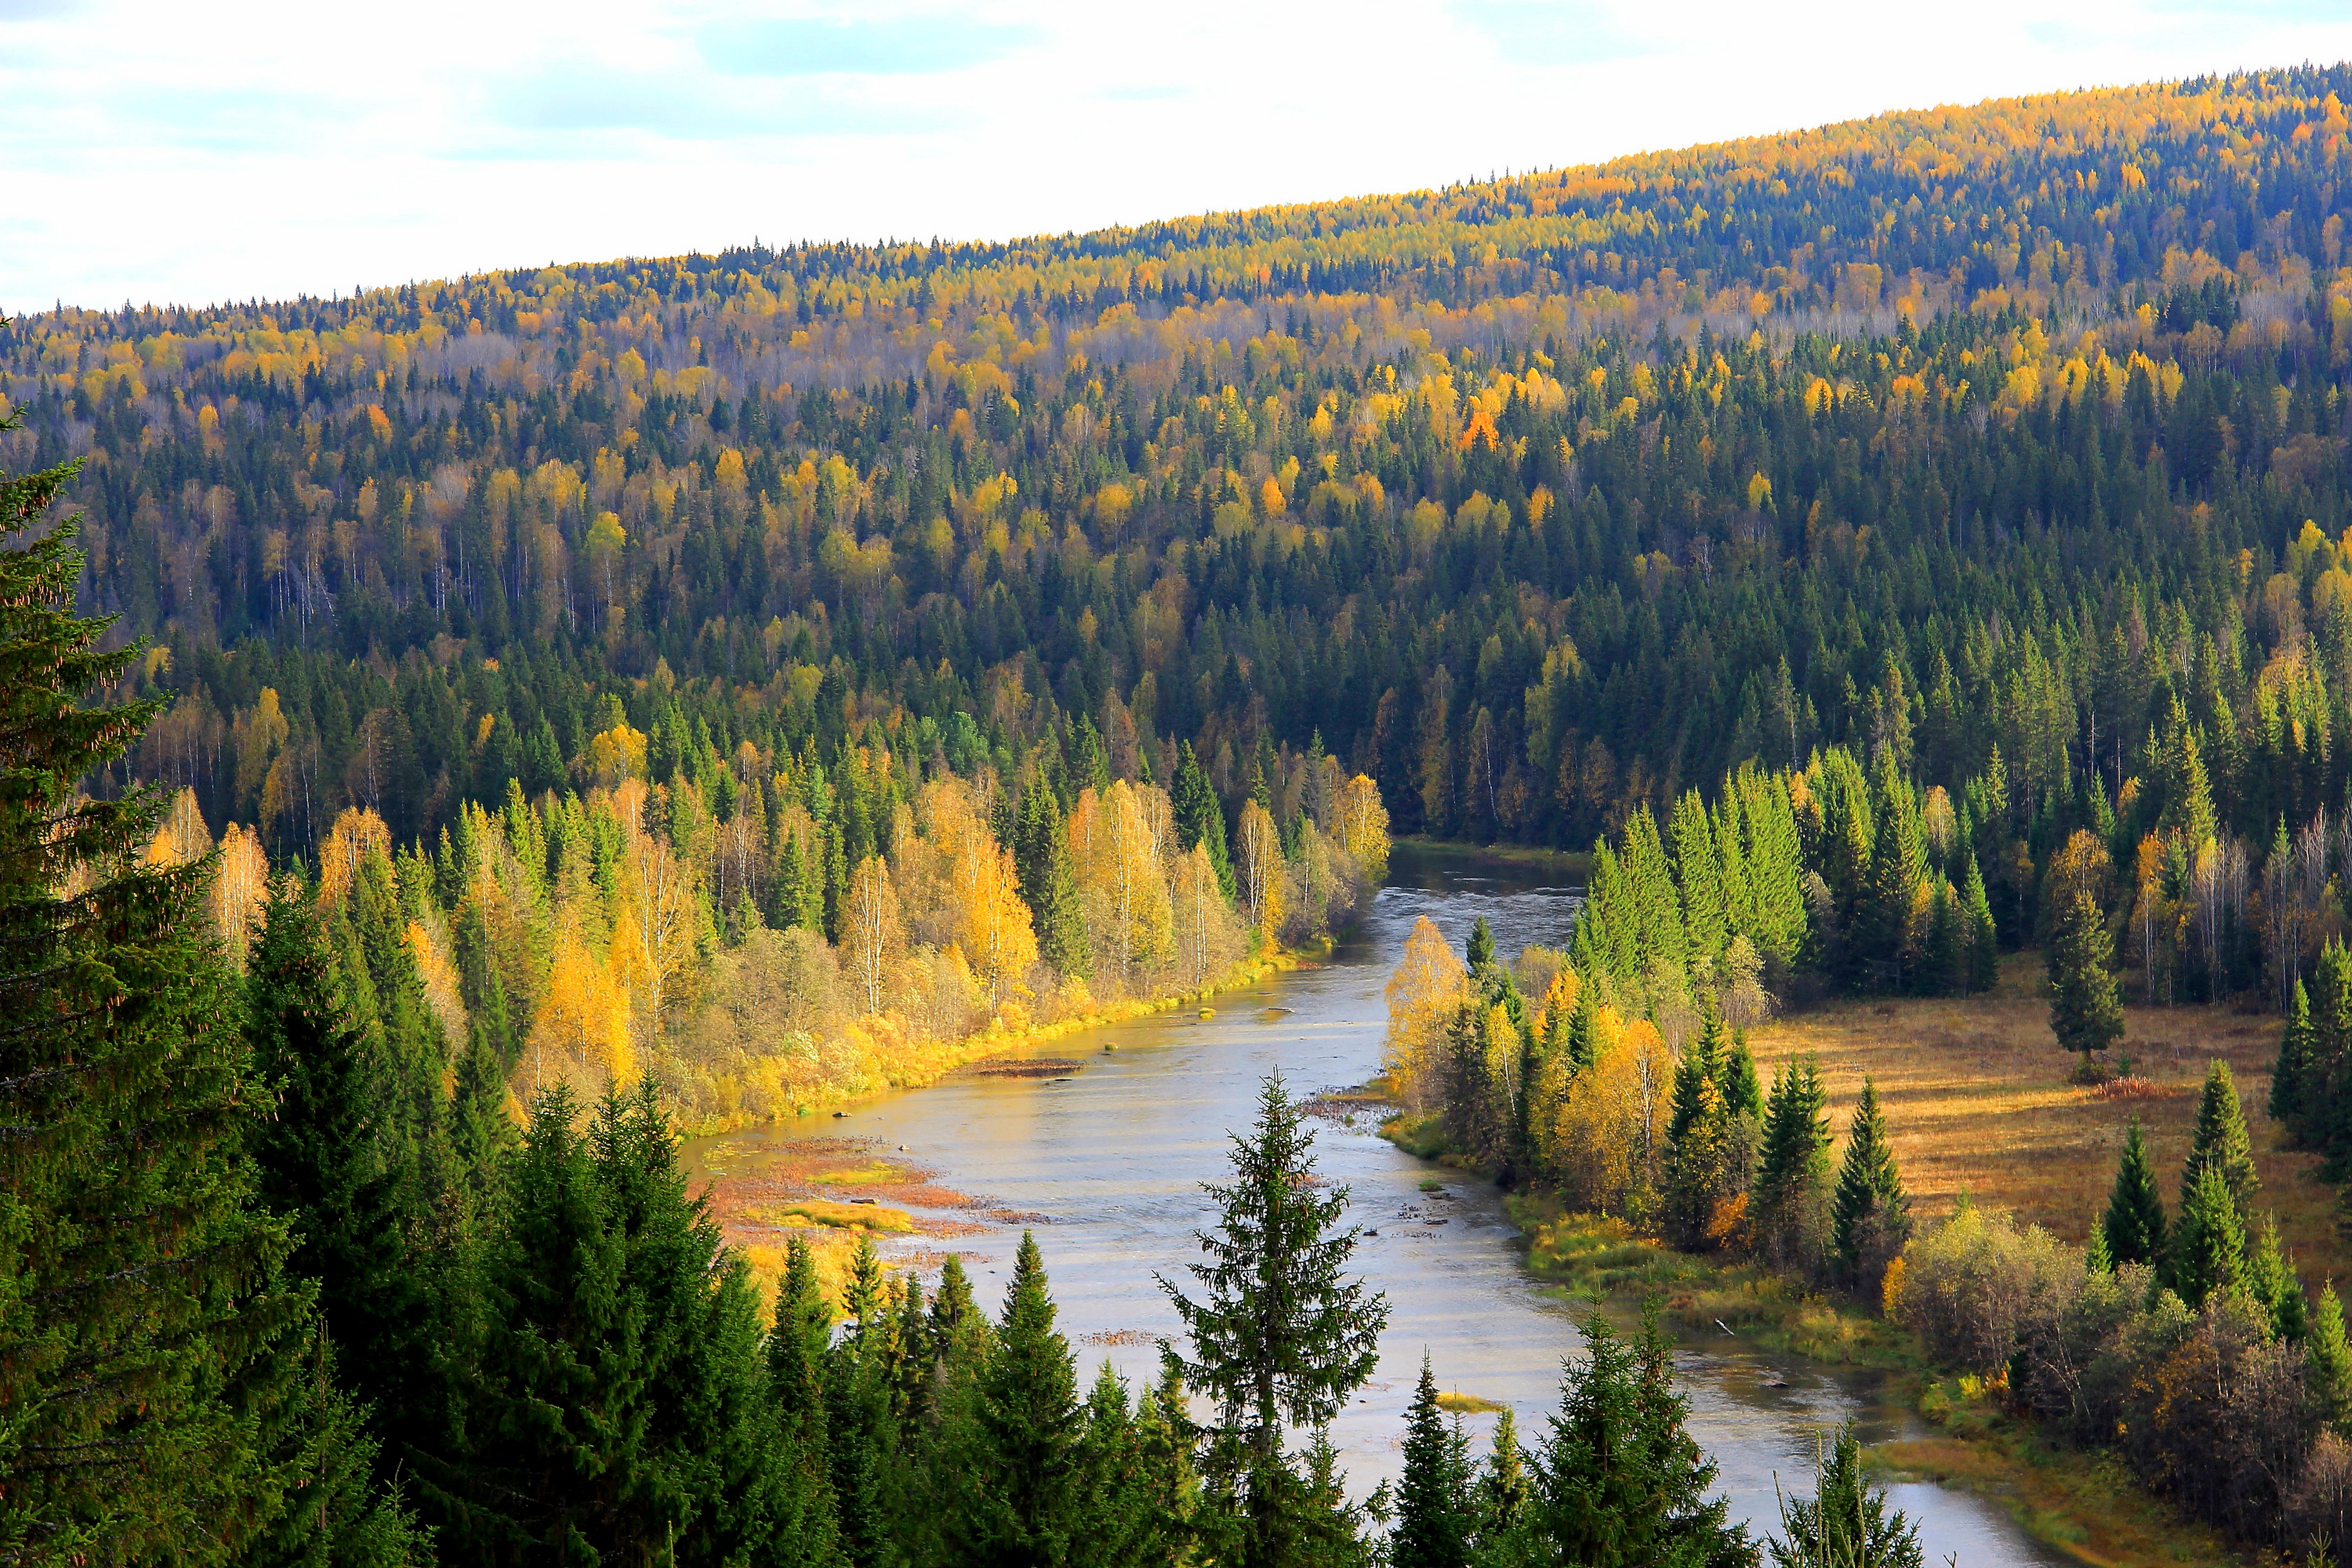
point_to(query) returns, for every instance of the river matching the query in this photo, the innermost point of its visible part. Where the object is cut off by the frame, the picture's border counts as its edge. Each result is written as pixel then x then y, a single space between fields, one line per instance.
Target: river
pixel 1106 1159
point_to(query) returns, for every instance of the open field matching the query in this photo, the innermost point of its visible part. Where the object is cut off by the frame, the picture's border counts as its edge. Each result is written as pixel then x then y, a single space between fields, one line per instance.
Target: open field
pixel 1977 1097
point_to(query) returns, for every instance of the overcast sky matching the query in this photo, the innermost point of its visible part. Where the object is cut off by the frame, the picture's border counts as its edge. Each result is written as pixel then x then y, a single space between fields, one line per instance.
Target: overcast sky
pixel 159 150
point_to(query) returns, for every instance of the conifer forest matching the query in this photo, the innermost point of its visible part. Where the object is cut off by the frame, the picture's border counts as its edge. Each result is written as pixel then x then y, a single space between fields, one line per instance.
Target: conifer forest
pixel 459 739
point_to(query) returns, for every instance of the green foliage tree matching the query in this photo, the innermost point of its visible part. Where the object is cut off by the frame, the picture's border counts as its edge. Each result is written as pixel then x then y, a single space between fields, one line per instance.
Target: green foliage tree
pixel 2295 1055
pixel 136 1273
pixel 2220 1140
pixel 1617 1481
pixel 1279 1335
pixel 1019 1481
pixel 1789 1211
pixel 2329 1356
pixel 1870 1216
pixel 2086 1013
pixel 1846 1524
pixel 2134 1226
pixel 1436 1521
pixel 1049 882
pixel 2208 1244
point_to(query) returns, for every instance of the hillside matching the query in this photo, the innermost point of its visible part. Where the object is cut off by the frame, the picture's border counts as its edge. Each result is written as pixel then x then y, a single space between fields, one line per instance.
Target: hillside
pixel 1538 497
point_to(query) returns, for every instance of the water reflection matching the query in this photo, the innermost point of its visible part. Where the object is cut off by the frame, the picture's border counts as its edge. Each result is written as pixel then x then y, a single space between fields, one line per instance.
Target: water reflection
pixel 1111 1155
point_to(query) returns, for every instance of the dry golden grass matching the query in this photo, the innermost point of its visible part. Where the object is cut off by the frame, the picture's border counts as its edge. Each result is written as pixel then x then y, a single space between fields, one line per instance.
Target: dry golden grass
pixel 1977 1097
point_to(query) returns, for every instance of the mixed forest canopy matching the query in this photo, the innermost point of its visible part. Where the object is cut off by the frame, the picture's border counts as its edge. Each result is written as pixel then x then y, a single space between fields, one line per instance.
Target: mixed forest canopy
pixel 1538 498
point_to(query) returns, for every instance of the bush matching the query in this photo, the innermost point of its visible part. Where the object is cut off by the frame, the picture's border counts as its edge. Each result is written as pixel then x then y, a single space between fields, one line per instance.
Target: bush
pixel 1977 1286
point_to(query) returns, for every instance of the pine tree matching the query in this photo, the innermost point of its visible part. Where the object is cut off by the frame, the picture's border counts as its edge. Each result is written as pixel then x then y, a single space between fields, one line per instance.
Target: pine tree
pixel 1280 1335
pixel 1019 1494
pixel 1792 1174
pixel 1480 952
pixel 1845 1523
pixel 1617 1482
pixel 2208 1245
pixel 795 1354
pixel 1982 939
pixel 2134 1226
pixel 2329 1359
pixel 2221 1139
pixel 2293 1054
pixel 1870 1216
pixel 135 1271
pixel 2086 1014
pixel 1434 1522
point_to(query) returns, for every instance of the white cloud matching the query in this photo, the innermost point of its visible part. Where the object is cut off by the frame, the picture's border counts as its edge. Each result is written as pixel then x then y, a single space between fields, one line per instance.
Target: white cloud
pixel 174 152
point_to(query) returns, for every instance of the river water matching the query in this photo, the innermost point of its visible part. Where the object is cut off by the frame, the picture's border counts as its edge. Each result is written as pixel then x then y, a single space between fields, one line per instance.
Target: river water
pixel 1105 1161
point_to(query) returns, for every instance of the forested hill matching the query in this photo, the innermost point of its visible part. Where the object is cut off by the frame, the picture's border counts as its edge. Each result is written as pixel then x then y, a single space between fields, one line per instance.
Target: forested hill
pixel 1538 499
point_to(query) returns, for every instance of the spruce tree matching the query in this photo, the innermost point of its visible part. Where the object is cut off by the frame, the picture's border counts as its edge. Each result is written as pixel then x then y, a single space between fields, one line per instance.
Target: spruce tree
pixel 1200 818
pixel 1503 1486
pixel 1742 1095
pixel 1845 1523
pixel 2221 1139
pixel 2208 1245
pixel 1115 1522
pixel 328 1156
pixel 1982 937
pixel 2134 1225
pixel 2086 1013
pixel 1870 1216
pixel 1480 952
pixel 1173 1484
pixel 2270 1279
pixel 795 1354
pixel 1617 1481
pixel 135 1270
pixel 2294 1053
pixel 1049 882
pixel 2330 1053
pixel 1280 1335
pixel 1792 1172
pixel 1434 1523
pixel 2328 1357
pixel 1020 1493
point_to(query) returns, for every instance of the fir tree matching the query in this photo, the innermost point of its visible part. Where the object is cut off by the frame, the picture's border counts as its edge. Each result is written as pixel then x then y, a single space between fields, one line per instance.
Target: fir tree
pixel 1435 1524
pixel 1280 1335
pixel 2134 1226
pixel 1742 1095
pixel 1480 952
pixel 1845 1523
pixel 134 1268
pixel 1172 1486
pixel 795 1355
pixel 2221 1139
pixel 1870 1216
pixel 2086 1014
pixel 2208 1245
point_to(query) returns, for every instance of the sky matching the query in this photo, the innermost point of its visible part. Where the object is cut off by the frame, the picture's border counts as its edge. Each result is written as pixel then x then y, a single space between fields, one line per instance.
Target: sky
pixel 171 152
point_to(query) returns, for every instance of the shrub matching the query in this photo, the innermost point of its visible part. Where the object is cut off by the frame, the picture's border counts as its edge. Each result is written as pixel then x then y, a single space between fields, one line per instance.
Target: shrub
pixel 1976 1286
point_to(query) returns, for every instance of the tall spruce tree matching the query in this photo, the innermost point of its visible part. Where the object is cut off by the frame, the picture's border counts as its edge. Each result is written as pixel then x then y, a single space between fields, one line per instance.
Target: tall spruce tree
pixel 1617 1481
pixel 2086 1013
pixel 1436 1522
pixel 2208 1244
pixel 2328 1357
pixel 1870 1216
pixel 136 1274
pixel 2220 1140
pixel 1790 1200
pixel 2134 1225
pixel 1280 1335
pixel 1020 1493
pixel 1200 818
pixel 1049 882
pixel 1982 938
pixel 2294 1055
pixel 1503 1485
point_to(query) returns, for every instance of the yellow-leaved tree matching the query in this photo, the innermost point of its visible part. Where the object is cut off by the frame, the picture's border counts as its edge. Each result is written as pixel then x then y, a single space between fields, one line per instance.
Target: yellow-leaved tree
pixel 1610 1133
pixel 652 923
pixel 1424 993
pixel 871 934
pixel 1363 827
pixel 984 915
pixel 1118 841
pixel 583 1014
pixel 1260 865
pixel 240 887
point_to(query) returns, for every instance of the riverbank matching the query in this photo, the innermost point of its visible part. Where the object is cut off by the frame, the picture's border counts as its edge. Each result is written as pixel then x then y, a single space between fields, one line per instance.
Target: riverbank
pixel 2083 1504
pixel 917 1069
